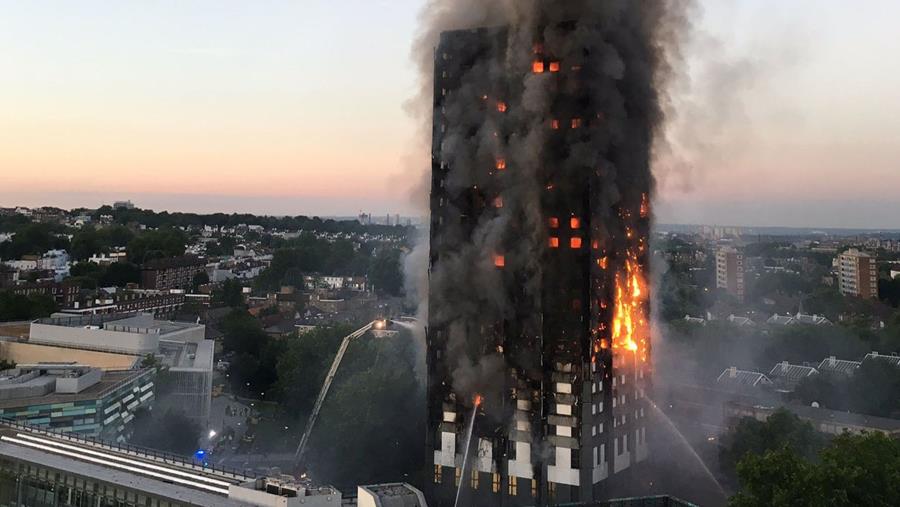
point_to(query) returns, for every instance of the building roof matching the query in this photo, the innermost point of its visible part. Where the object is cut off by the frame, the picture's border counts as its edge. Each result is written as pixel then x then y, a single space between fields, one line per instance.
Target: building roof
pixel 393 495
pixel 791 372
pixel 799 318
pixel 840 366
pixel 735 378
pixel 892 359
pixel 740 321
pixel 780 320
pixel 814 320
pixel 184 356
pixel 839 418
pixel 109 382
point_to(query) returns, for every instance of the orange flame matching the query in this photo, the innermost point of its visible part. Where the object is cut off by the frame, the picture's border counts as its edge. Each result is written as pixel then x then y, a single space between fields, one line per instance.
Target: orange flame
pixel 630 324
pixel 478 400
pixel 499 261
pixel 645 206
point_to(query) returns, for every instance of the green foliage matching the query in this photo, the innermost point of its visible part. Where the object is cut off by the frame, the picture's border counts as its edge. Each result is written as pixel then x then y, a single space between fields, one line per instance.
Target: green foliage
pixel 152 219
pixel 17 307
pixel 88 241
pixel 308 254
pixel 304 364
pixel 772 284
pixel 117 274
pixel 386 272
pixel 253 368
pixel 222 246
pixel 199 279
pixel 782 430
pixel 889 291
pixel 373 412
pixel 33 239
pixel 851 471
pixel 173 432
pixel 150 361
pixel 230 294
pixel 156 244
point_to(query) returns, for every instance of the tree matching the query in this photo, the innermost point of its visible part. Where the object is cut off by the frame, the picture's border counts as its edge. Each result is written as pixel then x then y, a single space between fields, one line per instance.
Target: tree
pixel 33 239
pixel 782 430
pixel 230 294
pixel 302 367
pixel 360 422
pixel 156 244
pixel 853 470
pixel 386 272
pixel 200 278
pixel 18 307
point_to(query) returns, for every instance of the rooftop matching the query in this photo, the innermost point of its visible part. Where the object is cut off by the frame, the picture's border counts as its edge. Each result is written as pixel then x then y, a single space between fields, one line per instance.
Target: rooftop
pixel 842 366
pixel 789 371
pixel 109 382
pixel 735 378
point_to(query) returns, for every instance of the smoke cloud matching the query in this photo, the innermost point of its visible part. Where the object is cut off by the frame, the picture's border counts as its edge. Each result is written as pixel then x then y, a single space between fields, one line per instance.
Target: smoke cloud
pixel 626 52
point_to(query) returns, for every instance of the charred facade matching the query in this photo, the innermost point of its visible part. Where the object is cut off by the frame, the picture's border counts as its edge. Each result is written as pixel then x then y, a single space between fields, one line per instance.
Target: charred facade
pixel 538 326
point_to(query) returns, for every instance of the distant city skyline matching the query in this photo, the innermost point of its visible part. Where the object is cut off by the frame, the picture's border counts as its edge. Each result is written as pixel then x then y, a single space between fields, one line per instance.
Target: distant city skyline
pixel 298 109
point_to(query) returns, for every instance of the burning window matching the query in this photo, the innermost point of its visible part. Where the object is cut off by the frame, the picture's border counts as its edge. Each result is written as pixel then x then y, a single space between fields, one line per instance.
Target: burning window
pixel 554 223
pixel 576 123
pixel 501 107
pixel 554 124
pixel 498 202
pixel 554 242
pixel 499 261
pixel 575 223
pixel 554 66
pixel 575 242
pixel 537 67
pixel 501 164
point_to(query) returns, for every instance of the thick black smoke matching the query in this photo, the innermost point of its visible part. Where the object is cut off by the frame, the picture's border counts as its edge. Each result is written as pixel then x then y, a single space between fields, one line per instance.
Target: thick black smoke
pixel 624 53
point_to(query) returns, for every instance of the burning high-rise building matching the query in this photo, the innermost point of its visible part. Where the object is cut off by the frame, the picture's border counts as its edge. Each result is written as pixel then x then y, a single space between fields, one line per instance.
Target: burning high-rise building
pixel 538 332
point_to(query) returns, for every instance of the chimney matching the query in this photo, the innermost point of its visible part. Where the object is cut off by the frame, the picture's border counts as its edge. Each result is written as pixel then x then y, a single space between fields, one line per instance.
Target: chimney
pixel 732 372
pixel 832 361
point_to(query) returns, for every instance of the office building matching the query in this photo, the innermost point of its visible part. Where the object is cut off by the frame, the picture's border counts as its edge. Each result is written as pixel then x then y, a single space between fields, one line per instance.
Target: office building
pixel 730 271
pixel 857 274
pixel 74 398
pixel 538 335
pixel 123 341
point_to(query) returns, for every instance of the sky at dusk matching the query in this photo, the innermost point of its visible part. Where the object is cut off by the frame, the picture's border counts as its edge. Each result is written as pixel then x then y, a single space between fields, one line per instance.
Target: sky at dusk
pixel 791 116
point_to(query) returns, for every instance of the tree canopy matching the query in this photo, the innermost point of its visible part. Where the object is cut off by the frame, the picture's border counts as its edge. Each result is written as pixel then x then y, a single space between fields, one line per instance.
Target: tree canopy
pixel 852 471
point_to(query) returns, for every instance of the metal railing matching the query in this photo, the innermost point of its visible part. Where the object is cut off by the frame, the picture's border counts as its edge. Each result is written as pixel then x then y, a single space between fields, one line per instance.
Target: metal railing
pixel 136 451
